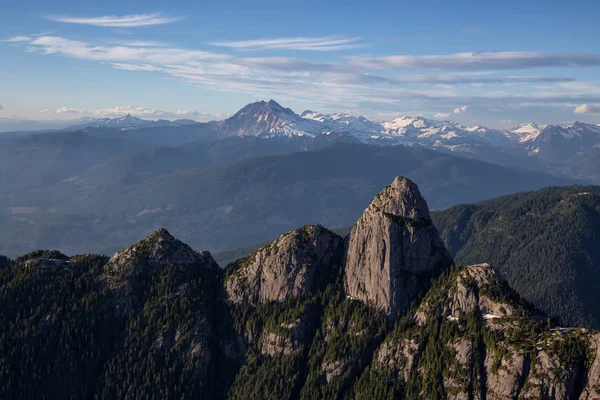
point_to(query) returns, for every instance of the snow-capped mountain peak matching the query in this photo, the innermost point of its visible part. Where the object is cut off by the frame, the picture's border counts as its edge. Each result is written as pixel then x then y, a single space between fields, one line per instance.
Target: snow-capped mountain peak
pixel 313 115
pixel 526 132
pixel 403 122
pixel 268 119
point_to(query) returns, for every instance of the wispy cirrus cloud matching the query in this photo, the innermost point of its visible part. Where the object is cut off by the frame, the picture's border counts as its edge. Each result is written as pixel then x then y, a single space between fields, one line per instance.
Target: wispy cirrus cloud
pixel 326 43
pixel 114 21
pixel 477 61
pixel 18 39
pixel 587 109
pixel 339 83
pixel 83 50
pixel 136 67
pixel 140 43
pixel 463 79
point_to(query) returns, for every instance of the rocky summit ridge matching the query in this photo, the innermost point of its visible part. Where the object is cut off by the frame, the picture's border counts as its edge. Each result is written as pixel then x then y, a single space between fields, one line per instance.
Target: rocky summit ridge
pixel 159 249
pixel 291 266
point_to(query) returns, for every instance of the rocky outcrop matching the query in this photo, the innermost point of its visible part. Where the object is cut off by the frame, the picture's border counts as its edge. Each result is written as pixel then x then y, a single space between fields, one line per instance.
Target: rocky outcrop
pixel 157 251
pixel 476 287
pixel 289 338
pixel 552 378
pixel 45 260
pixel 591 390
pixel 334 369
pixel 398 356
pixel 293 265
pixel 459 381
pixel 392 246
pixel 505 373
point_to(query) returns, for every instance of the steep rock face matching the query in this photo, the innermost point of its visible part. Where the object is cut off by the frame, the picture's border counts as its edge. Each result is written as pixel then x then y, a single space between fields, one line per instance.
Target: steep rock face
pixel 506 374
pixel 591 390
pixel 459 383
pixel 399 357
pixel 291 266
pixel 391 245
pixel 292 337
pixel 552 377
pixel 156 251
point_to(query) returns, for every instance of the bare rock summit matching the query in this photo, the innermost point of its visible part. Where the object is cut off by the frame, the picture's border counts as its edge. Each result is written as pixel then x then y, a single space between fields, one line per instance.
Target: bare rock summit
pixel 158 250
pixel 291 266
pixel 392 249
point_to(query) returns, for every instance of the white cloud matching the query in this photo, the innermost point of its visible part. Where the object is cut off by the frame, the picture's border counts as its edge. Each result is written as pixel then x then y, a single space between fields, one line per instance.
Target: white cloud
pixel 114 21
pixel 344 84
pixel 140 112
pixel 441 115
pixel 460 109
pixel 119 53
pixel 478 61
pixel 18 39
pixel 136 67
pixel 587 109
pixel 141 43
pixel 327 43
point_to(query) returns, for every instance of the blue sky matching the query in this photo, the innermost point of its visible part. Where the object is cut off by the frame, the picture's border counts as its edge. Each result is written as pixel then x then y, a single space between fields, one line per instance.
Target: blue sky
pixel 477 62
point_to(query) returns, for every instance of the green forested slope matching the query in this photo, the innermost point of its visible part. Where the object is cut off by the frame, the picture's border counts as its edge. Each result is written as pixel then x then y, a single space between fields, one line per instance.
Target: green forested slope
pixel 546 243
pixel 67 334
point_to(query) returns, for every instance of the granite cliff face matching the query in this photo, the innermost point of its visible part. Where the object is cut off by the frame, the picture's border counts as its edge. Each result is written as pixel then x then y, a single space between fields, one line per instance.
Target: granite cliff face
pixel 393 248
pixel 291 266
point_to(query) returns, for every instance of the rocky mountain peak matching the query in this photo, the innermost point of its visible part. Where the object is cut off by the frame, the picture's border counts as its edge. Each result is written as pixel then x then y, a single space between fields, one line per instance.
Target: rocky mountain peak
pixel 401 199
pixel 473 288
pixel 266 119
pixel 158 250
pixel 393 249
pixel 291 266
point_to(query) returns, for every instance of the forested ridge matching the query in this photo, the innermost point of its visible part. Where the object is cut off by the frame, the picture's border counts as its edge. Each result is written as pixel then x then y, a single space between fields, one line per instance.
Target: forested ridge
pixel 546 244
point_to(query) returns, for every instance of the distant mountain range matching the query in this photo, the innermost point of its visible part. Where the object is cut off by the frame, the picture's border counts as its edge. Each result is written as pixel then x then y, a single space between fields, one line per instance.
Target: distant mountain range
pixel 260 172
pixel 268 119
pixel 127 122
pixel 550 143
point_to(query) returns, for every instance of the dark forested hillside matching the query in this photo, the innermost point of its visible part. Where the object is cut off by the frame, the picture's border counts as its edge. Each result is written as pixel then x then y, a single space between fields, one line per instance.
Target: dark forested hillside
pixel 75 328
pixel 546 243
